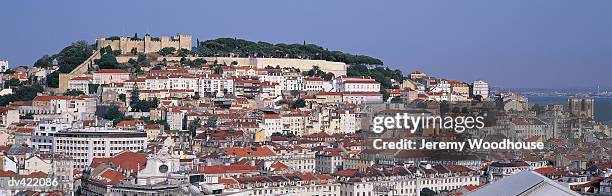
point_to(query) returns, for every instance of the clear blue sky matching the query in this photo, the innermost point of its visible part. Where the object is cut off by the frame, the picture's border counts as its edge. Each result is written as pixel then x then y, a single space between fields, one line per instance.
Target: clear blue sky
pixel 511 43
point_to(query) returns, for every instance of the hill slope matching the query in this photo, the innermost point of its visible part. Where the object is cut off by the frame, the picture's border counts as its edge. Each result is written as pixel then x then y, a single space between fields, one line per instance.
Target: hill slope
pixel 245 48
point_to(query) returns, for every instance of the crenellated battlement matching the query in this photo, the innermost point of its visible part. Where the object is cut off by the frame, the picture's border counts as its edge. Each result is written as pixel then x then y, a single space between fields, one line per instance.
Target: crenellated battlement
pixel 147 44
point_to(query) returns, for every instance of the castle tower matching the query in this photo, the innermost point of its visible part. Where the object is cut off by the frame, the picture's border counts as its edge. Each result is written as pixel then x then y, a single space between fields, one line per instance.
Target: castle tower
pixel 123 45
pixel 147 43
pixel 185 41
pixel 165 42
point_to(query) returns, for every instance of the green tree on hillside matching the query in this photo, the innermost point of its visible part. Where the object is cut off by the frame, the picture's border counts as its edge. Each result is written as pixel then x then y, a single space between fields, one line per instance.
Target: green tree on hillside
pixel 113 113
pixel 299 103
pixel 194 125
pixel 244 48
pixel 380 74
pixel 107 61
pixel 183 52
pixel 68 58
pixel 139 105
pixel 211 121
pixel 166 51
pixel 73 92
pixel 22 93
pixel 12 82
pixel 44 61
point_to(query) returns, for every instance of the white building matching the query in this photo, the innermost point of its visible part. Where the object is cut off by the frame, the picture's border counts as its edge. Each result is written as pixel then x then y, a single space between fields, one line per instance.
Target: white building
pixel 442 86
pixel 524 128
pixel 67 108
pixel 291 83
pixel 272 77
pixel 313 84
pixel 42 136
pixel 347 123
pixel 362 97
pixel 4 65
pixel 213 84
pixel 8 116
pixel 270 90
pixel 404 181
pixel 175 117
pixel 329 160
pixel 107 76
pixel 294 123
pixel 272 123
pixel 96 142
pixel 480 88
pixel 80 84
pixel 500 170
pixel 338 82
pixel 359 86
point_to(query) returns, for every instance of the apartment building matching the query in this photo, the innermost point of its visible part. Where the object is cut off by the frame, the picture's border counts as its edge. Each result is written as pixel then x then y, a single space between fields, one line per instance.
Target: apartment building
pixel 96 142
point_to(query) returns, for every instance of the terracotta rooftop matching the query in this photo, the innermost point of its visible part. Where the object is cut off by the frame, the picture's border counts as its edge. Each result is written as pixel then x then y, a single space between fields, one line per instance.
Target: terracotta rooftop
pixel 114 71
pixel 250 152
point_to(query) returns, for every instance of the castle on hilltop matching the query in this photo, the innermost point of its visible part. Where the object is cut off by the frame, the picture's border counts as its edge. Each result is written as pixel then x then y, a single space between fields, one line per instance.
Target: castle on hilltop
pixel 147 44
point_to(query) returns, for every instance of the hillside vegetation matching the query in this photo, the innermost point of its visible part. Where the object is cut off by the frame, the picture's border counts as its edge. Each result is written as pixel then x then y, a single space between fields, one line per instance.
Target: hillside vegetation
pixel 245 48
pixel 67 59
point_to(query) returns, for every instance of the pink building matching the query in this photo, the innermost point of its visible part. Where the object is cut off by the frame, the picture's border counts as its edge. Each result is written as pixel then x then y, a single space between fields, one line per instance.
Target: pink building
pixel 107 76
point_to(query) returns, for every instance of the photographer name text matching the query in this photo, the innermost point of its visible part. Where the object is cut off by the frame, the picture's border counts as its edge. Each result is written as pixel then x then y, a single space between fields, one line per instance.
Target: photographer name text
pixel 408 144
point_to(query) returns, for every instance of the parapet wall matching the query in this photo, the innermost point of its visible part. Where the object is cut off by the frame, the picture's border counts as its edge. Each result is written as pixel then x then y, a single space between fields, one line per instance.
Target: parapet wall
pixel 338 68
pixel 148 44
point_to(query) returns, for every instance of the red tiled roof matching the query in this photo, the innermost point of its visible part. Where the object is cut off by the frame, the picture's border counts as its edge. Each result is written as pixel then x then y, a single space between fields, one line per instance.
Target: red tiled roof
pixel 324 177
pixel 250 152
pixel 110 177
pixel 417 72
pixel 271 116
pixel 471 187
pixel 37 174
pixel 458 168
pixel 228 181
pixel 129 123
pixel 313 79
pixel 111 71
pixel 49 98
pixel 330 93
pixel 126 160
pixel 152 126
pixel 24 130
pixel 222 169
pixel 80 78
pixel 551 171
pixel 278 166
pixel 21 103
pixel 4 149
pixel 361 93
pixel 347 173
pixel 135 80
pixel 7 173
pixel 361 82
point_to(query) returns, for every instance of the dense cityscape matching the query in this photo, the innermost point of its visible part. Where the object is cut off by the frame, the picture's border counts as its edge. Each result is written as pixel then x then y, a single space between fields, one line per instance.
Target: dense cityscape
pixel 161 116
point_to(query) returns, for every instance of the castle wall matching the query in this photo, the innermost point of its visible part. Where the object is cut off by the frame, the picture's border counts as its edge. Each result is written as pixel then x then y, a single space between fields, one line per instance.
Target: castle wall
pixel 338 68
pixel 146 45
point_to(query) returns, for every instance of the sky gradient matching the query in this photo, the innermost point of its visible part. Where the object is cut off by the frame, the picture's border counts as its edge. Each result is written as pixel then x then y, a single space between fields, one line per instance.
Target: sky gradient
pixel 517 43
